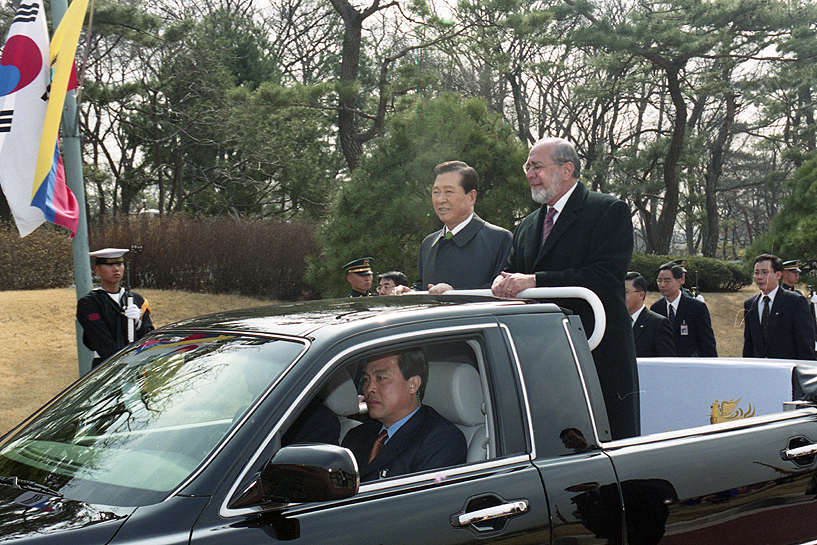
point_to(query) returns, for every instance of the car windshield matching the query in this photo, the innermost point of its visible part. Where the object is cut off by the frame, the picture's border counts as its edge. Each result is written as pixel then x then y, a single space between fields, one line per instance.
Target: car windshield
pixel 140 425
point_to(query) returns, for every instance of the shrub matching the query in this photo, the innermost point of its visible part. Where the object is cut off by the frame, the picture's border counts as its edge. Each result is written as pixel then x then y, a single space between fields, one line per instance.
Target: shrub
pixel 42 260
pixel 256 258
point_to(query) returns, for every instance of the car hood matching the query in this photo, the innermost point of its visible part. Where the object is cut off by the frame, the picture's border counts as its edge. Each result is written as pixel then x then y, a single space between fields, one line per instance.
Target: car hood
pixel 35 517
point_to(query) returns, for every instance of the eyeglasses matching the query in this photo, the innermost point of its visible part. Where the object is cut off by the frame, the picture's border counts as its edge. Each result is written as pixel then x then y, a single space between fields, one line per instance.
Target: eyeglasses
pixel 537 167
pixel 630 292
pixel 666 280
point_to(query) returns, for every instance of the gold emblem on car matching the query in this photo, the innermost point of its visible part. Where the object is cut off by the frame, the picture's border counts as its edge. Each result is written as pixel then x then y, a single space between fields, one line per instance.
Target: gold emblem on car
pixel 726 411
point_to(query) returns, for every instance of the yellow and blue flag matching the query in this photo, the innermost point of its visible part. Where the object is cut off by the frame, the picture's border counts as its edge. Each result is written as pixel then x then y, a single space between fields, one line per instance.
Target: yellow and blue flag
pixel 33 83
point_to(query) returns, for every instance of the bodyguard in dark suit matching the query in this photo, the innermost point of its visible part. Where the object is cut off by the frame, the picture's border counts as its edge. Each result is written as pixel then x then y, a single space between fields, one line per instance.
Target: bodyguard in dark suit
pixel 691 323
pixel 403 436
pixel 777 322
pixel 468 252
pixel 652 332
pixel 580 238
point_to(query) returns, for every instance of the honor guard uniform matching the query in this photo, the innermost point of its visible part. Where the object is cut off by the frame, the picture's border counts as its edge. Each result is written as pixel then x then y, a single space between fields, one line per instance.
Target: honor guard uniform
pixel 359 275
pixel 104 313
pixel 791 275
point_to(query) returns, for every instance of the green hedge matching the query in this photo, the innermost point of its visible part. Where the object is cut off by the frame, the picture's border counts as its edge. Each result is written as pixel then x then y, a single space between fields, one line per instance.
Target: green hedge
pixel 705 273
pixel 256 258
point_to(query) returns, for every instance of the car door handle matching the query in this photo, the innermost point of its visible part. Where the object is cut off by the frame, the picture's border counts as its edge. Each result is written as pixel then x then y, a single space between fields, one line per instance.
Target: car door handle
pixel 489 513
pixel 799 452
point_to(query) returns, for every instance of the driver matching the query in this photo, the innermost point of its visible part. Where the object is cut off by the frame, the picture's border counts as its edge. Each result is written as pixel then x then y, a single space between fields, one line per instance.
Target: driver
pixel 403 436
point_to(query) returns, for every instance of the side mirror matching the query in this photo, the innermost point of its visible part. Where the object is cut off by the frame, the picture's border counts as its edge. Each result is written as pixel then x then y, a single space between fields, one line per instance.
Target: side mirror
pixel 302 473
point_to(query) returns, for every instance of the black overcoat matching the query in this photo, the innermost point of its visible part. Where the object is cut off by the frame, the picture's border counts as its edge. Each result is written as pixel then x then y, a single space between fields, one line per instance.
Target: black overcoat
pixel 591 245
pixel 652 334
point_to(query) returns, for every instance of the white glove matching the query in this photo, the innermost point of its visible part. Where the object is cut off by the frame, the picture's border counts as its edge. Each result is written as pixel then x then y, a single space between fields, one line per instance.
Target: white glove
pixel 133 312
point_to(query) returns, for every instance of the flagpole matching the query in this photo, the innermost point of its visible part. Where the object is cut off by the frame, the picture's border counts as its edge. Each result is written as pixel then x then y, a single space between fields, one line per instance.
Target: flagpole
pixel 72 158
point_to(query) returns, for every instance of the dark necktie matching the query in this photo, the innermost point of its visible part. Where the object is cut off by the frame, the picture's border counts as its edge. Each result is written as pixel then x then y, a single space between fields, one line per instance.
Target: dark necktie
pixel 449 235
pixel 764 314
pixel 548 224
pixel 378 445
pixel 671 313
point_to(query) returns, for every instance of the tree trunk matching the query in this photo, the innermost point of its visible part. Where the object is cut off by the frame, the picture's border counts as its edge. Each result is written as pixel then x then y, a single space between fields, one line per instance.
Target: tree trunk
pixel 669 210
pixel 712 176
pixel 350 63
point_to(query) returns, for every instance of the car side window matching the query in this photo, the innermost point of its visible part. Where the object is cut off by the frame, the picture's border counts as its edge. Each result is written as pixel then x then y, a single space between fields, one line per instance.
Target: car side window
pixel 456 424
pixel 419 405
pixel 329 415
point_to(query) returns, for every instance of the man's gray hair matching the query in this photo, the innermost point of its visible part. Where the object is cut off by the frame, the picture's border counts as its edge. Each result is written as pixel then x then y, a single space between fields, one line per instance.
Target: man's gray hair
pixel 565 152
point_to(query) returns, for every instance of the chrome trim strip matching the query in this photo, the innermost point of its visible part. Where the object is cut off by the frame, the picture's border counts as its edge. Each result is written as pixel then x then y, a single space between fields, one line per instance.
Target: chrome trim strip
pixel 448 474
pixel 588 404
pixel 224 511
pixel 524 387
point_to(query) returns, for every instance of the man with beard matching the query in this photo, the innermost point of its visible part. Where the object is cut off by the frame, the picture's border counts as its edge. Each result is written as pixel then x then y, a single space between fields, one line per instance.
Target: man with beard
pixel 580 238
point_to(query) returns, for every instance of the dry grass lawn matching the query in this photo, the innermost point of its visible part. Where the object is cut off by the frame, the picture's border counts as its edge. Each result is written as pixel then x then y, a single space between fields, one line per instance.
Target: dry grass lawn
pixel 38 337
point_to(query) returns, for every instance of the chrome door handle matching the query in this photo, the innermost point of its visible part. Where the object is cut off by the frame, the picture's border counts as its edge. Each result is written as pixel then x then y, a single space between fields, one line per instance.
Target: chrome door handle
pixel 808 450
pixel 498 511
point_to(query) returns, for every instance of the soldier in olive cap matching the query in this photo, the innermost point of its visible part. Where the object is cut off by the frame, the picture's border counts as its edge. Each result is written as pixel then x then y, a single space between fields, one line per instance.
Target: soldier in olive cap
pixel 791 275
pixel 359 275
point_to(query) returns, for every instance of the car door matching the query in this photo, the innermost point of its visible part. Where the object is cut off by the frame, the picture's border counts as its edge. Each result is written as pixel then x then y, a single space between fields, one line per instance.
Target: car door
pixel 732 483
pixel 579 479
pixel 492 500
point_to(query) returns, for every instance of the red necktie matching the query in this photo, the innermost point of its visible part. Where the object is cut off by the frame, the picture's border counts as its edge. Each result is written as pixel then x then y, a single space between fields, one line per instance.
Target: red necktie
pixel 548 224
pixel 378 445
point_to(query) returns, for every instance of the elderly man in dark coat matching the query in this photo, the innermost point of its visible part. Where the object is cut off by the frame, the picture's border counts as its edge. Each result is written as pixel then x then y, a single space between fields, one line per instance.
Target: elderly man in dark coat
pixel 580 238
